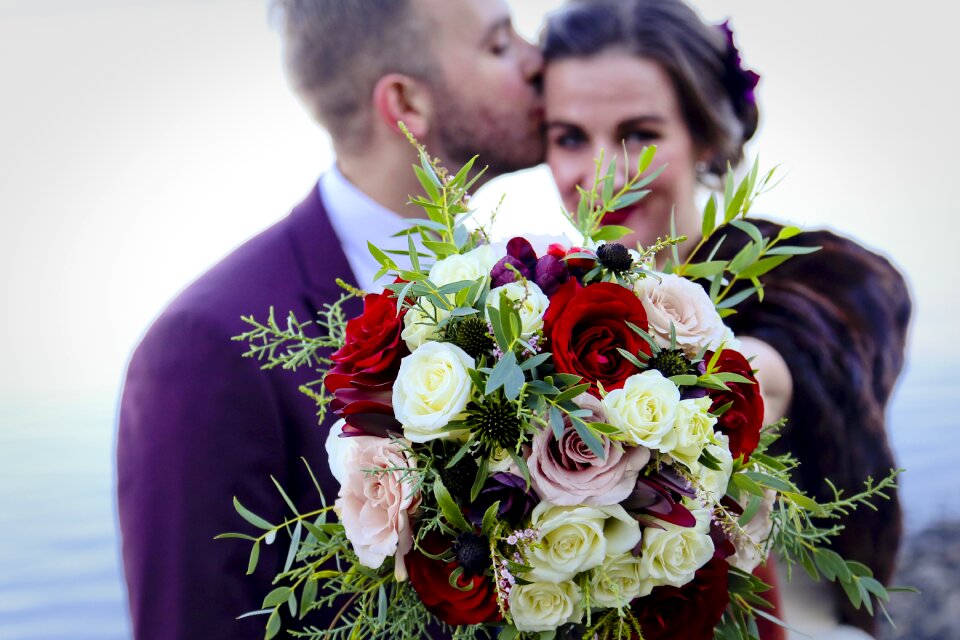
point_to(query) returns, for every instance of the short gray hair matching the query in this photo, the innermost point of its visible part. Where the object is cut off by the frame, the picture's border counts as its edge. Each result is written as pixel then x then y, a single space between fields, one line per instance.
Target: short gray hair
pixel 336 51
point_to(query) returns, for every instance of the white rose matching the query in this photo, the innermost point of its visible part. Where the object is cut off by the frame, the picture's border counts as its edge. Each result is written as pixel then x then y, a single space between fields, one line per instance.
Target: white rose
pixel 544 606
pixel 500 461
pixel 694 430
pixel 685 305
pixel 432 388
pixel 644 410
pixel 617 581
pixel 751 543
pixel 712 481
pixel 673 554
pixel 472 265
pixel 533 304
pixel 575 539
pixel 419 325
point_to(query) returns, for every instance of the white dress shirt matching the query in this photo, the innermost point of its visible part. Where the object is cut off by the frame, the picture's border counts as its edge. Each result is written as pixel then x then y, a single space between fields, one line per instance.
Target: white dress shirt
pixel 356 218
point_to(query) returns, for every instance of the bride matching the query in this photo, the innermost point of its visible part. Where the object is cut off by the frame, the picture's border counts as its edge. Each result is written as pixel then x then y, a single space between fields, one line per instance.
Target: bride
pixel 828 337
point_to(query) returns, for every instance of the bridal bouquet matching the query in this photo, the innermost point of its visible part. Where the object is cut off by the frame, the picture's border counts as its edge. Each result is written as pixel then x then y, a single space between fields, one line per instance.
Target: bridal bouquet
pixel 536 445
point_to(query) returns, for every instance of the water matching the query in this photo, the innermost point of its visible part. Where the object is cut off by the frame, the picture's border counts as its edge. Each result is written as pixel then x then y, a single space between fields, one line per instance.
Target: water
pixel 59 569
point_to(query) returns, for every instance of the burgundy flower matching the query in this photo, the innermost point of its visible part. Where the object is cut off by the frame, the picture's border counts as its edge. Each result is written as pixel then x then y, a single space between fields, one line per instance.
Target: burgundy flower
pixel 743 420
pixel 366 367
pixel 431 580
pixel 690 612
pixel 586 325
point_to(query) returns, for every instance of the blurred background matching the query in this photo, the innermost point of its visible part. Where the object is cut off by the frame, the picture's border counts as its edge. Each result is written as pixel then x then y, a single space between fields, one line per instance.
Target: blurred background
pixel 141 140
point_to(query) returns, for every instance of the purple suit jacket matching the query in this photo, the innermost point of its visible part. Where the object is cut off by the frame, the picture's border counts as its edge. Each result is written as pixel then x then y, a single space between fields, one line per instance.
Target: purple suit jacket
pixel 199 425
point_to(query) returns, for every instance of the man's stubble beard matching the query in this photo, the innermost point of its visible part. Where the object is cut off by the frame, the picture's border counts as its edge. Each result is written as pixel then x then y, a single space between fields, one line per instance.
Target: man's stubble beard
pixel 504 141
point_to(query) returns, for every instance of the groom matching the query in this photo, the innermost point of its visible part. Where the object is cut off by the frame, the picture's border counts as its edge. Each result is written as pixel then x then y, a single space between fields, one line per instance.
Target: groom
pixel 198 424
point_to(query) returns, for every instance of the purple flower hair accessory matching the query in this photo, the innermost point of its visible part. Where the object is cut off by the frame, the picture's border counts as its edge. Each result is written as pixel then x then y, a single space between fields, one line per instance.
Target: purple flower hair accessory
pixel 740 82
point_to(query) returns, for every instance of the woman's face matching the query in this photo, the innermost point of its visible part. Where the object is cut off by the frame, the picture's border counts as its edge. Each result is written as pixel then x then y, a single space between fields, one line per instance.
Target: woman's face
pixel 611 101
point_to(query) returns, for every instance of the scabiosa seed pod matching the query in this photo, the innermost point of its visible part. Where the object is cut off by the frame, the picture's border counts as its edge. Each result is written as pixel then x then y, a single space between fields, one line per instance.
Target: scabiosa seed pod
pixel 473 554
pixel 615 257
pixel 459 478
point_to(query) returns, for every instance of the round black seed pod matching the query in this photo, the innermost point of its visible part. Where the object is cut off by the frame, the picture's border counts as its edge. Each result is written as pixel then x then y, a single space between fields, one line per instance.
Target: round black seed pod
pixel 615 257
pixel 459 478
pixel 473 554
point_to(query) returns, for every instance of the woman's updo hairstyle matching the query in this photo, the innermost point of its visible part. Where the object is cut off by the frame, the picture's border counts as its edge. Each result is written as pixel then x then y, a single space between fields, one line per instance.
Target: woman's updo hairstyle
pixel 715 93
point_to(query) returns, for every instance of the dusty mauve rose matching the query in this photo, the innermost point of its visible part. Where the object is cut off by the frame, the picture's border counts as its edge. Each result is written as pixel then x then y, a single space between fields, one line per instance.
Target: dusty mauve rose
pixel 586 325
pixel 690 612
pixel 742 421
pixel 375 507
pixel 430 578
pixel 683 303
pixel 366 366
pixel 565 472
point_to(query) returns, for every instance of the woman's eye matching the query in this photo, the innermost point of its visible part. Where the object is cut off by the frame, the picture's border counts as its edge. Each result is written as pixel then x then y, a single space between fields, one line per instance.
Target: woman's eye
pixel 643 136
pixel 568 140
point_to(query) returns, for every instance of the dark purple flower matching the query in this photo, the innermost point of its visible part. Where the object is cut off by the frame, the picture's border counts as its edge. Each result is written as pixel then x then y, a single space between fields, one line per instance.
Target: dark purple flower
pixel 523 251
pixel 551 272
pixel 501 274
pixel 548 272
pixel 516 501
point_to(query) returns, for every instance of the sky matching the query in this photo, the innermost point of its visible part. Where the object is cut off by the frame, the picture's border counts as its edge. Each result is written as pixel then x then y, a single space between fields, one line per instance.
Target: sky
pixel 140 140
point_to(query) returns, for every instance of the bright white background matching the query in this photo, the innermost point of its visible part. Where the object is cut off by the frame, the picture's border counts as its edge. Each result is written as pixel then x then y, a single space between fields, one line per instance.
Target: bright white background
pixel 140 140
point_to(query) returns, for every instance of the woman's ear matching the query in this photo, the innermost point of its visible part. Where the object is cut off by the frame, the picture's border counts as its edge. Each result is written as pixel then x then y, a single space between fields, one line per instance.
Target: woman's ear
pixel 401 98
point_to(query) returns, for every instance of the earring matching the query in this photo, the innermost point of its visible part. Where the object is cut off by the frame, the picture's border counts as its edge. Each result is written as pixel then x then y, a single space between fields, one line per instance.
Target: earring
pixel 701 167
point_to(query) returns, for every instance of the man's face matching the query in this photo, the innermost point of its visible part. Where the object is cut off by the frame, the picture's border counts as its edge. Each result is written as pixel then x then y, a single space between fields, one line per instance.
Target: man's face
pixel 486 99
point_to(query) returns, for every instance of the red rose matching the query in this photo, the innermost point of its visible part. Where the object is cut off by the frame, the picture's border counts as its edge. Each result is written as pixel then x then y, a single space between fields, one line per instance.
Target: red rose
pixel 431 580
pixel 689 612
pixel 743 420
pixel 366 366
pixel 586 325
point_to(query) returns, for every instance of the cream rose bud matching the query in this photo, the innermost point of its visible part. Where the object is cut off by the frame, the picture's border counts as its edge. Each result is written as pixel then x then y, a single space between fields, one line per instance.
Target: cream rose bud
pixel 750 544
pixel 644 410
pixel 673 554
pixel 712 481
pixel 670 299
pixel 433 387
pixel 420 324
pixel 575 539
pixel 532 305
pixel 617 581
pixel 544 606
pixel 472 265
pixel 694 430
pixel 376 500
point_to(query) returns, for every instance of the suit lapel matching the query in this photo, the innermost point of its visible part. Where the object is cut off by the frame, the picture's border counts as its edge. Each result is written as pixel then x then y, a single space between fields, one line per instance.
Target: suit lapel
pixel 319 253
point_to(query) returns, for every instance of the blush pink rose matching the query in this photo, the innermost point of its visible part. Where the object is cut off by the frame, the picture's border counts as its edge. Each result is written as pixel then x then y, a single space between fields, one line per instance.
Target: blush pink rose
pixel 375 505
pixel 566 472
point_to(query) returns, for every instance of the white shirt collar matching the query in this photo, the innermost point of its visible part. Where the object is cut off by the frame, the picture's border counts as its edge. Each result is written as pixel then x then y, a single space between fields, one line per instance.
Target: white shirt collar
pixel 357 218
